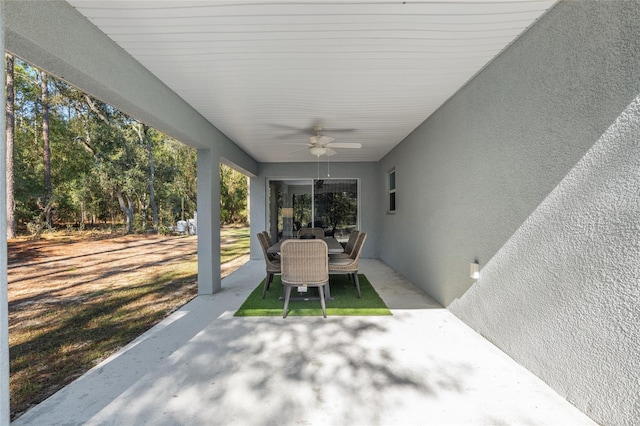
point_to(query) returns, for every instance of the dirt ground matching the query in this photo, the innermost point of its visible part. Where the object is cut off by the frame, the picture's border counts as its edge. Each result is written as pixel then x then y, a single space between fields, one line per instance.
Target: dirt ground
pixel 68 294
pixel 46 271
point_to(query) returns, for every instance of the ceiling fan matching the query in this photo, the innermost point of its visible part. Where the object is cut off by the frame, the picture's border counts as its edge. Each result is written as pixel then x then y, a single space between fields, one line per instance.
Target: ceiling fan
pixel 320 144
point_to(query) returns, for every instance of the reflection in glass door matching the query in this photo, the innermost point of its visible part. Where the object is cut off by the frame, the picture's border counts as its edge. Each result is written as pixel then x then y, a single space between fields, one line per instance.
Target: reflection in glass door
pixel 289 207
pixel 334 207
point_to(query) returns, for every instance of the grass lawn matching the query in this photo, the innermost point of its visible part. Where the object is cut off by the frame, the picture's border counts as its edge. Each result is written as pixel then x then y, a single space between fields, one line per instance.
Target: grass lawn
pixel 234 242
pixel 74 303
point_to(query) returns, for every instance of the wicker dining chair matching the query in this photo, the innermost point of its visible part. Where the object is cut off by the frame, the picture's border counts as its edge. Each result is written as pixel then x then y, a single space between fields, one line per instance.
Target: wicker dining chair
pixel 349 265
pixel 267 236
pixel 272 263
pixel 304 264
pixel 316 232
pixel 348 249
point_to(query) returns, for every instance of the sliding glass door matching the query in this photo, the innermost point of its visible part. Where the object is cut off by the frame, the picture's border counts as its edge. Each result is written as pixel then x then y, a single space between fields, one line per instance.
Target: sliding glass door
pixel 330 204
pixel 335 206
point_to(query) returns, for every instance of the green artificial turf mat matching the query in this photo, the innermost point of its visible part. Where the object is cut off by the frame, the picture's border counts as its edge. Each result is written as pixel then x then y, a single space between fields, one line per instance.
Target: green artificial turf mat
pixel 345 300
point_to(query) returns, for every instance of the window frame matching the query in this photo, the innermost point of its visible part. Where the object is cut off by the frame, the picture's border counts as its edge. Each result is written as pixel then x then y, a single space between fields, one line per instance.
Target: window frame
pixel 312 182
pixel 391 191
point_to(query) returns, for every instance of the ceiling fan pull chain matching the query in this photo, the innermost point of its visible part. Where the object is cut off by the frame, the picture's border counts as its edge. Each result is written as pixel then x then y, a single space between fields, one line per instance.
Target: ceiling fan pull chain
pixel 328 161
pixel 318 164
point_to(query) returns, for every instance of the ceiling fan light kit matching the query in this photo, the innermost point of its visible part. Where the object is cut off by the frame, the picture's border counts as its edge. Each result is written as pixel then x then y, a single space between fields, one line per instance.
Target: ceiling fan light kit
pixel 320 144
pixel 317 150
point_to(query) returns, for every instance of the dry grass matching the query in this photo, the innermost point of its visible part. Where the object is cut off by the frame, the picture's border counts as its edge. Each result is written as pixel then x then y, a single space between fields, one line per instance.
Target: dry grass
pixel 73 301
pixel 55 345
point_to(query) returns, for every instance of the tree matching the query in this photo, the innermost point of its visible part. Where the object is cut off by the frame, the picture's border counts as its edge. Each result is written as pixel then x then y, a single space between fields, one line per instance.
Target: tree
pixel 46 151
pixel 143 135
pixel 233 196
pixel 176 171
pixel 10 112
pixel 114 155
pixel 27 149
pixel 98 163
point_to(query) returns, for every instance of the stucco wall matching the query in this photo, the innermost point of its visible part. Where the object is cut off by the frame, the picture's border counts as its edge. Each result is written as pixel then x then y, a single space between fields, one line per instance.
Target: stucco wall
pixel 562 296
pixel 503 173
pixel 369 196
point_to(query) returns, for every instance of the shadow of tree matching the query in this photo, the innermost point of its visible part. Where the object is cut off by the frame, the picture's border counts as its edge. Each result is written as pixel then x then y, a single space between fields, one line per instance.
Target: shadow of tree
pixel 292 370
pixel 63 344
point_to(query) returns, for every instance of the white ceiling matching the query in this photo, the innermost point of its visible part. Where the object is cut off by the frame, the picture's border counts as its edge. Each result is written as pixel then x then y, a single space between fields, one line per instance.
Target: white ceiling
pixel 265 72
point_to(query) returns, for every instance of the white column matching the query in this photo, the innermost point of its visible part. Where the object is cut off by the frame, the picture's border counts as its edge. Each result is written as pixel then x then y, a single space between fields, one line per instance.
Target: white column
pixel 4 298
pixel 208 222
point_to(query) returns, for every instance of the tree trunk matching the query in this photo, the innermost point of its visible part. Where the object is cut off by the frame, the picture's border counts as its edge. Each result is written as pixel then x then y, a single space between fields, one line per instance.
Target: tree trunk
pixel 152 177
pixel 127 208
pixel 83 215
pixel 46 149
pixel 10 131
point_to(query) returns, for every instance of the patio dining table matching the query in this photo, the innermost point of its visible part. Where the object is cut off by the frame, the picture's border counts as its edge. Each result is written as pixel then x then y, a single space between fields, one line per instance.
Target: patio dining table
pixel 333 245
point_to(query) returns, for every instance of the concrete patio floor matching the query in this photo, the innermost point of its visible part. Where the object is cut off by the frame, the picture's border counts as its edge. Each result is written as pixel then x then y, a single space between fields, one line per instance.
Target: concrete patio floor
pixel 202 366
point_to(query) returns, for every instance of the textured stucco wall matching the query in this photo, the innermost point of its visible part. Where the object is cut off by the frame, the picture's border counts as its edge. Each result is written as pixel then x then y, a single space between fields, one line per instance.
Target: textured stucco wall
pixel 476 169
pixel 492 176
pixel 369 196
pixel 562 296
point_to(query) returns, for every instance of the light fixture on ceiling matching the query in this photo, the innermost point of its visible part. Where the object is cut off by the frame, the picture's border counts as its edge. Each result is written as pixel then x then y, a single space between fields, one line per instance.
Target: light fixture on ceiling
pixel 317 150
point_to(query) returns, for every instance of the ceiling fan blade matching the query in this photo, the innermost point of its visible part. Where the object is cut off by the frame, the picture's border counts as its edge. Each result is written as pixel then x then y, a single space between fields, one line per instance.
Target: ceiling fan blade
pixel 288 132
pixel 291 135
pixel 285 127
pixel 344 145
pixel 336 130
pixel 297 150
pixel 320 139
pixel 323 139
pixel 319 126
pixel 330 152
pixel 310 129
pixel 296 143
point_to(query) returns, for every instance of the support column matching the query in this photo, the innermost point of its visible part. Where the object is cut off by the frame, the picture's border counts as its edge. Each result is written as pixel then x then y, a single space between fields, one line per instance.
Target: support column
pixel 4 297
pixel 208 222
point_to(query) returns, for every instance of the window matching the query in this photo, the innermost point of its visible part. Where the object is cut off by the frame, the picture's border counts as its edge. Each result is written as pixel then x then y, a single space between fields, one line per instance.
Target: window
pixel 330 204
pixel 391 184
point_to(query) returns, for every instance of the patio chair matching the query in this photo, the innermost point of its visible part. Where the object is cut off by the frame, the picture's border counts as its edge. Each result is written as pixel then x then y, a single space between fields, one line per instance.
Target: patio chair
pixel 348 249
pixel 304 264
pixel 267 236
pixel 271 261
pixel 349 265
pixel 316 232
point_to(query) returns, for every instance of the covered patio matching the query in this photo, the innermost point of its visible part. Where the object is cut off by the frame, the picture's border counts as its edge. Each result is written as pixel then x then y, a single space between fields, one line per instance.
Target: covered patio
pixel 497 133
pixel 204 366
